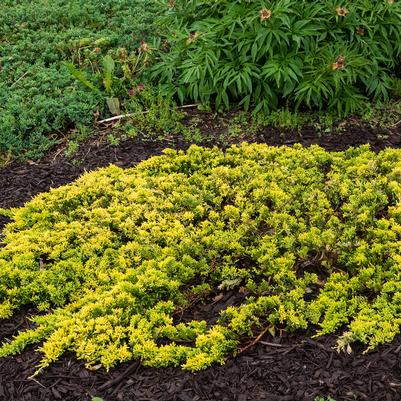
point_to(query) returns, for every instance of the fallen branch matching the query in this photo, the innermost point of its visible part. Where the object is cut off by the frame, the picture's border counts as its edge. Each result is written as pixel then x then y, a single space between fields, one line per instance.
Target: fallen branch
pixel 37 382
pixel 122 116
pixel 395 125
pixel 19 79
pixel 273 344
pixel 255 341
pixel 121 377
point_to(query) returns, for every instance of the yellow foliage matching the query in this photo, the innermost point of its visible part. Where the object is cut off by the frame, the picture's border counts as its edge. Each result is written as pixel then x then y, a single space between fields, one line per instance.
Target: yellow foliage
pixel 114 257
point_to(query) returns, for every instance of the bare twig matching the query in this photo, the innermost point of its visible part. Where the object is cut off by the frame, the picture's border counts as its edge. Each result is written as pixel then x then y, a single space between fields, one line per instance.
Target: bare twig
pixel 273 344
pixel 395 125
pixel 19 79
pixel 37 382
pixel 121 377
pixel 255 341
pixel 57 154
pixel 122 116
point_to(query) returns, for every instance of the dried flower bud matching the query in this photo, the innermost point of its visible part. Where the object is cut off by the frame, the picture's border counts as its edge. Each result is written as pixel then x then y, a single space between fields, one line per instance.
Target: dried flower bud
pixel 192 37
pixel 265 14
pixel 360 31
pixel 138 89
pixel 339 64
pixel 171 3
pixel 144 47
pixel 166 45
pixel 342 11
pixel 122 53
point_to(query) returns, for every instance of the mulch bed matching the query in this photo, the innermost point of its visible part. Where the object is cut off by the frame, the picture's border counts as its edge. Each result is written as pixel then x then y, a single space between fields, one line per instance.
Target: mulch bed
pixel 288 367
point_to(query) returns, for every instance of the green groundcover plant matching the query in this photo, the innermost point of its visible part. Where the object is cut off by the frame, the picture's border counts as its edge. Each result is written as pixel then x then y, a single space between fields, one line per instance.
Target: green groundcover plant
pixel 39 97
pixel 333 54
pixel 115 258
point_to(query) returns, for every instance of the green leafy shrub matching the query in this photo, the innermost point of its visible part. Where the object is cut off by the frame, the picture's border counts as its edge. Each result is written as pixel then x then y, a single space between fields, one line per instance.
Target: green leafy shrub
pixel 113 259
pixel 39 98
pixel 322 54
pixel 116 77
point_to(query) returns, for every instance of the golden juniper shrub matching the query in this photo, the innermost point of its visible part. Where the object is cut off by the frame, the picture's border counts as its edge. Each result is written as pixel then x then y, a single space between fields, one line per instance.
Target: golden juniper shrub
pixel 113 259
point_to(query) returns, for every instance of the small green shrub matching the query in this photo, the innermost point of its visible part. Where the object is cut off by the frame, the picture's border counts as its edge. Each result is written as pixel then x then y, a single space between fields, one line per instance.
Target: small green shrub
pixel 319 54
pixel 113 259
pixel 116 77
pixel 39 98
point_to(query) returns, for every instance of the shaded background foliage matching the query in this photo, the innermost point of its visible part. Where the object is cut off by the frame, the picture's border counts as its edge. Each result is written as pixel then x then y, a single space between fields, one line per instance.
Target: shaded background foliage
pixel 322 54
pixel 65 63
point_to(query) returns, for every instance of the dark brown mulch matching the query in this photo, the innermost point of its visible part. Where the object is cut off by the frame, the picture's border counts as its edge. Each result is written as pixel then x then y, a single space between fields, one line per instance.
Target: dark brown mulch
pixel 290 367
pixel 295 369
pixel 20 181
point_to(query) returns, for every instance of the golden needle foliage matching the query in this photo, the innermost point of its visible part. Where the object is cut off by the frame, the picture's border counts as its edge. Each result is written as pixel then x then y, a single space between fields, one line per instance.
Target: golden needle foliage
pixel 113 258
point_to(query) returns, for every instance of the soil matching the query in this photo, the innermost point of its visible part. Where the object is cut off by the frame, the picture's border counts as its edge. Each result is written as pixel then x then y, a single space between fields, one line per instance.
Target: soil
pixel 287 367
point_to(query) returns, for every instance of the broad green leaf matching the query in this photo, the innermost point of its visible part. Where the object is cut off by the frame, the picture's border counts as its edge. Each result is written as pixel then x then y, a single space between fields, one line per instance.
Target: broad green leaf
pixel 80 76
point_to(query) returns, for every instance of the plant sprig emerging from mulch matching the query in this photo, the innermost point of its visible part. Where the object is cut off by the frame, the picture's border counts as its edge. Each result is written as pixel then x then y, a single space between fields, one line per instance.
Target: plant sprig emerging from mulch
pixel 312 237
